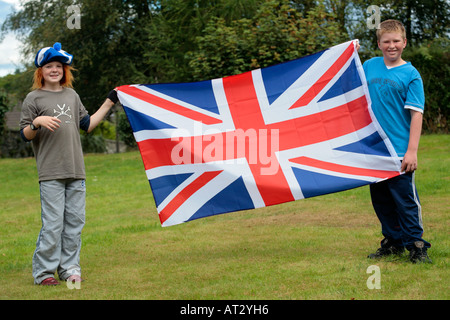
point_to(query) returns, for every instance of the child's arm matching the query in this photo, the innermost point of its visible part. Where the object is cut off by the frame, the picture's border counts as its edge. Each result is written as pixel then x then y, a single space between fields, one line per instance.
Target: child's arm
pixel 409 163
pixel 98 116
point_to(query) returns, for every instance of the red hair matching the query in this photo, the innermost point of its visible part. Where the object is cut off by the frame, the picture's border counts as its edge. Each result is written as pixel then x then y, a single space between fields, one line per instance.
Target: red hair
pixel 66 80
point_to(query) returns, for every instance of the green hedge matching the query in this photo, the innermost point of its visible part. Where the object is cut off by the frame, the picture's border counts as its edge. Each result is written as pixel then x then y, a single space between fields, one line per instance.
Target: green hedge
pixel 432 61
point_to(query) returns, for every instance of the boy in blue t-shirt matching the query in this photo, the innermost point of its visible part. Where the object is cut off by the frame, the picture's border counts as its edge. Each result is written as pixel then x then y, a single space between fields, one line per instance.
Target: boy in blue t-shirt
pixel 398 99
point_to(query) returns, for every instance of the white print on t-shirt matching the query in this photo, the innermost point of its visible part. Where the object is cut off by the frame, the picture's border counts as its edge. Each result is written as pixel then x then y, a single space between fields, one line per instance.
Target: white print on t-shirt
pixel 62 112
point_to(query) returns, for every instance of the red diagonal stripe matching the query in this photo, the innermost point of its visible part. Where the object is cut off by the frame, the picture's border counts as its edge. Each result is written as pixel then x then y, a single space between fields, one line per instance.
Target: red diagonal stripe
pixel 186 193
pixel 343 169
pixel 322 126
pixel 309 95
pixel 169 106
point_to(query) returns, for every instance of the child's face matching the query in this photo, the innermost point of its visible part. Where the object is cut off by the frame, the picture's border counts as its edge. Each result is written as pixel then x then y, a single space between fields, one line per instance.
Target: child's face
pixel 391 45
pixel 53 72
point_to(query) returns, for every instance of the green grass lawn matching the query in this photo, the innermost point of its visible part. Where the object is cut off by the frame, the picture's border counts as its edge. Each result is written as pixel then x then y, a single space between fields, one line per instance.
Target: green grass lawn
pixel 309 249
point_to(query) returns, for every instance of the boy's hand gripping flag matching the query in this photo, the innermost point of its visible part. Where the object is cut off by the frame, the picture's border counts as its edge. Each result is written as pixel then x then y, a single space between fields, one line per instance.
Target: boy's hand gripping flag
pixel 291 131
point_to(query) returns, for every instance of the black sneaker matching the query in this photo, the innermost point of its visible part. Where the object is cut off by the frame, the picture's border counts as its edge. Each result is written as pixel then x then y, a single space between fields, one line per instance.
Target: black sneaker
pixel 387 249
pixel 419 253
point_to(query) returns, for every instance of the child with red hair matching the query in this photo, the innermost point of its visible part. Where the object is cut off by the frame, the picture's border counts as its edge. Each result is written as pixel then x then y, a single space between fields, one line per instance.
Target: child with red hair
pixel 52 115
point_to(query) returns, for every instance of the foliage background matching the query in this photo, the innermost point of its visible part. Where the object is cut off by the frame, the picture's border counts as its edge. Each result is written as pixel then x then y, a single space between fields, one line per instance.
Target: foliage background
pixel 314 249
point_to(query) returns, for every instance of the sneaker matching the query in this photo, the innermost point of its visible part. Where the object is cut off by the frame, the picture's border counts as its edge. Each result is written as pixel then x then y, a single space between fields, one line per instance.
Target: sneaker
pixel 387 249
pixel 49 282
pixel 418 253
pixel 74 278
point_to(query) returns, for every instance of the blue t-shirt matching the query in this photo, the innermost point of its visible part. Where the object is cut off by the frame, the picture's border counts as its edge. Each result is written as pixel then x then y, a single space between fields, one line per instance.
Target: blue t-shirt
pixel 394 92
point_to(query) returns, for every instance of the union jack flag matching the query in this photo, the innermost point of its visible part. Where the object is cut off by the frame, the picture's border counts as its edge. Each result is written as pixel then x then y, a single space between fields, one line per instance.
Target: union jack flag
pixel 291 131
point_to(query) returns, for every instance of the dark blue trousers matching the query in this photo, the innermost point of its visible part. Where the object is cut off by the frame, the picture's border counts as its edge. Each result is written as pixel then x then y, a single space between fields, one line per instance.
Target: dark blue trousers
pixel 397 206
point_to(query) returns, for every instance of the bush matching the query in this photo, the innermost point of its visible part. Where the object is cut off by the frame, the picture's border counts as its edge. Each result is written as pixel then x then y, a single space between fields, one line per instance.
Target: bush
pixel 93 144
pixel 432 61
pixel 276 33
pixel 124 130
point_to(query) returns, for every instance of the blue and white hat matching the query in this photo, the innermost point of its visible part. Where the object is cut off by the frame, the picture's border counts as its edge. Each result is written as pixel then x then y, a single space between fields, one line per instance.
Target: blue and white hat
pixel 48 54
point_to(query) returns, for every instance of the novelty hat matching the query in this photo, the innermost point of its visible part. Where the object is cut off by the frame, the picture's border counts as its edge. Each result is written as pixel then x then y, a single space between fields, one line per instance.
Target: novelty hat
pixel 48 54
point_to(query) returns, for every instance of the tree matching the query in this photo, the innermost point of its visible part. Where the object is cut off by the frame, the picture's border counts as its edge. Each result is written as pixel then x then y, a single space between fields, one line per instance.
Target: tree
pixel 276 33
pixel 424 20
pixel 3 110
pixel 150 41
pixel 107 46
pixel 176 26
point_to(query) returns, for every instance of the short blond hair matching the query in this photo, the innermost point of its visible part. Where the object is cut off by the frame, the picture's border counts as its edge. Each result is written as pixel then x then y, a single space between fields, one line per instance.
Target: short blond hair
pixel 391 26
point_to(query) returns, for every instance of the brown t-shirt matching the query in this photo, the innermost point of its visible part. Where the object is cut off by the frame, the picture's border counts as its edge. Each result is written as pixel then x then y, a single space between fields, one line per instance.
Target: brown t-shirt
pixel 58 154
